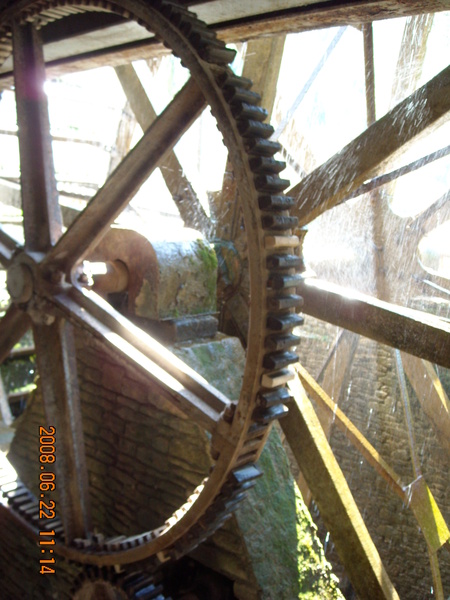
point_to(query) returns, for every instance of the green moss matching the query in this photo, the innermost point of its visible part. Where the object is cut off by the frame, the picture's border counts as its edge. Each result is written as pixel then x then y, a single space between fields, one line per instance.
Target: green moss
pixel 287 556
pixel 209 261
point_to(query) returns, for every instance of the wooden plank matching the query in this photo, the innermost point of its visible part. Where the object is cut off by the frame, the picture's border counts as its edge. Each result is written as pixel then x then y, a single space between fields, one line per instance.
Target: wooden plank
pixel 352 433
pixel 431 395
pixel 262 65
pixel 416 332
pixel 334 499
pixel 365 155
pixel 317 15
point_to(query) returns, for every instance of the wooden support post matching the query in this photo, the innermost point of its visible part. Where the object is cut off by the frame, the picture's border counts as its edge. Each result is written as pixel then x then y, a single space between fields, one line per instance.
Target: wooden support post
pixel 334 499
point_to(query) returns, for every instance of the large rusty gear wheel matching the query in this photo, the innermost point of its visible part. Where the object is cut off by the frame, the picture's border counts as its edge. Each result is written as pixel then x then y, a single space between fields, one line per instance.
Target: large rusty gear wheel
pixel 47 295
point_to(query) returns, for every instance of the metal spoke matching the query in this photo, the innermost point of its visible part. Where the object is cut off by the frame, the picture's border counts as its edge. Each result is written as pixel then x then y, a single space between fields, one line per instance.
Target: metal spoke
pixel 55 350
pixel 126 179
pixel 42 215
pixel 13 327
pixel 8 247
pixel 188 391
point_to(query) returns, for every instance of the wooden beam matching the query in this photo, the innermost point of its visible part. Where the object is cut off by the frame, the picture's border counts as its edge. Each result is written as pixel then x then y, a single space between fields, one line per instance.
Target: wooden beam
pixel 183 194
pixel 317 15
pixel 352 433
pixel 262 65
pixel 413 331
pixel 431 395
pixel 334 499
pixel 369 65
pixel 346 171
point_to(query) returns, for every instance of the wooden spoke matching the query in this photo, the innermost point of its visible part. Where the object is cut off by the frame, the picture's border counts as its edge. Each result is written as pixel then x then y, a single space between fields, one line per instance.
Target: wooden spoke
pixel 126 179
pixel 345 172
pixel 13 326
pixel 55 351
pixel 8 247
pixel 187 390
pixel 384 322
pixel 42 216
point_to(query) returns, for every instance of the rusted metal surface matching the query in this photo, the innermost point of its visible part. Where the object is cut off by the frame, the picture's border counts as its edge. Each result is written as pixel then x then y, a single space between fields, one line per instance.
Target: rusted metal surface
pixel 42 217
pixel 55 352
pixel 361 158
pixel 14 325
pixel 413 331
pixel 8 246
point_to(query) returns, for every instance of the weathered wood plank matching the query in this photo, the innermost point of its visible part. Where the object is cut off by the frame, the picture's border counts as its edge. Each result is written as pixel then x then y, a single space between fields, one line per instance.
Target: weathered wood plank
pixel 317 15
pixel 431 395
pixel 334 499
pixel 413 331
pixel 344 172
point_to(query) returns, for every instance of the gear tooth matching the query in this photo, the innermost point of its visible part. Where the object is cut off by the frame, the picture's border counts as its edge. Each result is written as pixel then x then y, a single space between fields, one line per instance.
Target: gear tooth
pixel 251 128
pixel 219 56
pixel 228 79
pixel 284 302
pixel 276 379
pixel 279 222
pixel 275 203
pixel 234 95
pixel 263 164
pixel 271 184
pixel 200 38
pixel 279 360
pixel 246 474
pixel 272 398
pixel 277 281
pixel 249 111
pixel 262 147
pixel 268 415
pixel 176 13
pixel 284 323
pixel 284 261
